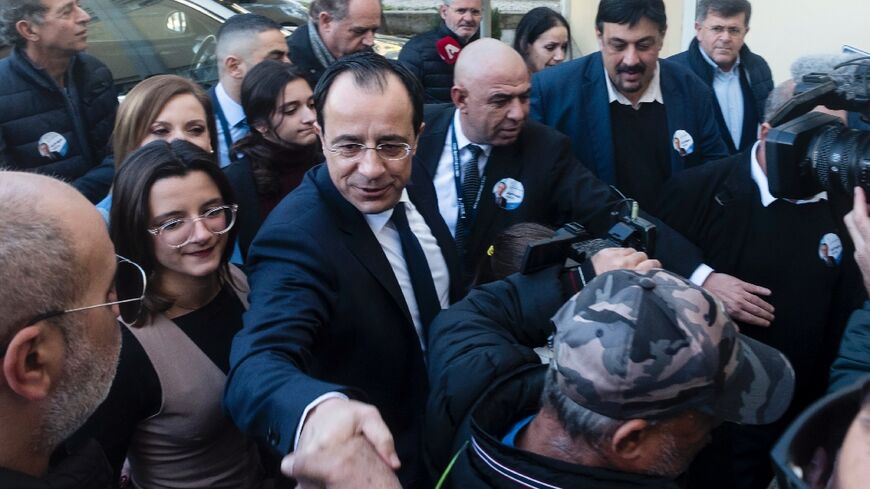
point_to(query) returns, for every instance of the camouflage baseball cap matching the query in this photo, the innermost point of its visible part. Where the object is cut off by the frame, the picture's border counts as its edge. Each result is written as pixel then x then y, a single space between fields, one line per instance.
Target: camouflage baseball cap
pixel 650 345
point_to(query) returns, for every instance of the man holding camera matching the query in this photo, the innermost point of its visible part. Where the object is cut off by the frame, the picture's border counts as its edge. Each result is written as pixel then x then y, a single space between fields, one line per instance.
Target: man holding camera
pixel 798 250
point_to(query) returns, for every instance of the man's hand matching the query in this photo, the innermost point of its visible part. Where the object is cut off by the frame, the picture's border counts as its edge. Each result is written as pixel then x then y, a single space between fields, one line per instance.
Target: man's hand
pixel 858 224
pixel 622 258
pixel 335 422
pixel 741 299
pixel 352 464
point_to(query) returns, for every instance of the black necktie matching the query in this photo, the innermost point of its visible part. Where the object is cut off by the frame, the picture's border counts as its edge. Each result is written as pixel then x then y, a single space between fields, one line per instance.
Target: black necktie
pixel 470 188
pixel 418 269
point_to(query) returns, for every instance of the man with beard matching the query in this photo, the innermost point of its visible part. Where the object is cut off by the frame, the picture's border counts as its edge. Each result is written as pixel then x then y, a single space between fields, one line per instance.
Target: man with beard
pixel 59 340
pixel 623 107
pixel 432 55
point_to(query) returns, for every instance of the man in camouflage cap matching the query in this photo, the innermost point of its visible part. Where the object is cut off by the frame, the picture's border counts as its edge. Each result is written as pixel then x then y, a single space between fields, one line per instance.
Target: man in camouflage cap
pixel 644 366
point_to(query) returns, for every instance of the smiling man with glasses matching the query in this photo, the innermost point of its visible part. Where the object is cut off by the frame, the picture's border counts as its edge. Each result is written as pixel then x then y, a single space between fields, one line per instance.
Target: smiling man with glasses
pixel 59 338
pixel 346 274
pixel 740 79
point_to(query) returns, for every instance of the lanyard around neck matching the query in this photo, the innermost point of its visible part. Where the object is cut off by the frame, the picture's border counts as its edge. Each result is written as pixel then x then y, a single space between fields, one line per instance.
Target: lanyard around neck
pixel 457 178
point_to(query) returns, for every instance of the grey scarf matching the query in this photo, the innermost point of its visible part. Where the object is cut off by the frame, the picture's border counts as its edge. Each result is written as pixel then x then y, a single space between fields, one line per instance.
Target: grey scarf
pixel 324 57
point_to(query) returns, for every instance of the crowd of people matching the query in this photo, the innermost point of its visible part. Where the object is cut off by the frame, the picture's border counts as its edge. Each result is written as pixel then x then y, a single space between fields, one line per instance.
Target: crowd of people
pixel 313 272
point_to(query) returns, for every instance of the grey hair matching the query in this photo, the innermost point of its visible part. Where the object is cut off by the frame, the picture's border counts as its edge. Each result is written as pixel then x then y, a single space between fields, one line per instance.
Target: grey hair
pixel 13 11
pixel 780 94
pixel 577 421
pixel 336 8
pixel 723 8
pixel 37 258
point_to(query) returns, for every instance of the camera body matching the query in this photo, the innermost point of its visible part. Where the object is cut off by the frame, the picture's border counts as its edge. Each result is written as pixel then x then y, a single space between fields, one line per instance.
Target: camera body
pixel 572 244
pixel 810 152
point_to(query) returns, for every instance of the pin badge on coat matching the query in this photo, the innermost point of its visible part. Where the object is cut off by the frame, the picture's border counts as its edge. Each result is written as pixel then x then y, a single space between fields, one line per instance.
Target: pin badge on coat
pixel 52 145
pixel 830 250
pixel 508 193
pixel 683 143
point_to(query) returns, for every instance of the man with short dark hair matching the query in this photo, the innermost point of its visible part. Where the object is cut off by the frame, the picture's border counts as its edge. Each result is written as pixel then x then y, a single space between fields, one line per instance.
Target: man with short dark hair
pixel 623 107
pixel 57 104
pixel 740 79
pixel 335 28
pixel 243 41
pixel 799 252
pixel 346 274
pixel 59 339
pixel 643 366
pixel 431 55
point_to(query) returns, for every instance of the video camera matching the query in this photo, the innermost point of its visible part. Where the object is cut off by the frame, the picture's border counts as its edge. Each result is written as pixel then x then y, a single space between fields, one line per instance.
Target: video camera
pixel 572 244
pixel 809 152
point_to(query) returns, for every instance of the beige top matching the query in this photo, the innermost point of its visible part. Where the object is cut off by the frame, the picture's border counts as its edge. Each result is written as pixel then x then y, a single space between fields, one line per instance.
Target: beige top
pixel 190 443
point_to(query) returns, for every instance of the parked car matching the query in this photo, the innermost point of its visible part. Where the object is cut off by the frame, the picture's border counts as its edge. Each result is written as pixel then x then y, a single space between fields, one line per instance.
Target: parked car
pixel 288 13
pixel 138 39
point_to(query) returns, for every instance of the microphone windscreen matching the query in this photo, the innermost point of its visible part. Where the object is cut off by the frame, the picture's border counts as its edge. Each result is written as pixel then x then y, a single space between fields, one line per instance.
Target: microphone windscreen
pixel 448 49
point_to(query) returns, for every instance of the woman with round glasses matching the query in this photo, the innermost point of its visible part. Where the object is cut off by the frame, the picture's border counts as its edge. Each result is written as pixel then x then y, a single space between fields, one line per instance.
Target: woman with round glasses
pixel 163 107
pixel 280 148
pixel 173 213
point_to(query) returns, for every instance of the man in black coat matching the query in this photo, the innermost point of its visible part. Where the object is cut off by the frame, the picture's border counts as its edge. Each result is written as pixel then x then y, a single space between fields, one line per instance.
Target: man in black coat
pixel 57 104
pixel 799 253
pixel 339 308
pixel 335 28
pixel 740 79
pixel 431 55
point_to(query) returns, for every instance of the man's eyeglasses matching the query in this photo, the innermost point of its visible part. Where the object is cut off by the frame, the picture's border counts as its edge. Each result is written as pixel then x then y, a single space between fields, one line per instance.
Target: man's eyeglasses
pixel 129 286
pixel 732 31
pixel 179 232
pixel 387 151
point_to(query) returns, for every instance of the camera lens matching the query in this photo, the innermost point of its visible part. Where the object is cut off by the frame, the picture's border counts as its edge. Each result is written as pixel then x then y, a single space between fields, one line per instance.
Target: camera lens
pixel 840 158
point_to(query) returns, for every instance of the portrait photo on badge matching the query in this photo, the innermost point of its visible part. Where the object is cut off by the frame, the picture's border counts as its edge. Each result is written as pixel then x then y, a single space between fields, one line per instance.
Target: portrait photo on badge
pixel 683 143
pixel 52 145
pixel 508 193
pixel 830 249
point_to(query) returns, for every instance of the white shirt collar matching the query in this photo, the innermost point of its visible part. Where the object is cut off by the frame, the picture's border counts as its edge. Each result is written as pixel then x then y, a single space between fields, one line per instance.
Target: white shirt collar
pixel 378 221
pixel 232 111
pixel 653 92
pixel 760 179
pixel 463 141
pixel 719 70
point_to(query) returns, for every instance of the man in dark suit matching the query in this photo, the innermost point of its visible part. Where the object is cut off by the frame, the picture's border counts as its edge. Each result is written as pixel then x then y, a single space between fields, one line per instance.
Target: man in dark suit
pixel 623 107
pixel 339 304
pixel 726 208
pixel 243 41
pixel 542 181
pixel 740 79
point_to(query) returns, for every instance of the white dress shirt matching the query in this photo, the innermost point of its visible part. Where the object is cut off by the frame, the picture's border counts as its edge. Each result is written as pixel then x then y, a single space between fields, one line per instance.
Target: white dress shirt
pixel 234 114
pixel 388 236
pixel 445 184
pixel 726 86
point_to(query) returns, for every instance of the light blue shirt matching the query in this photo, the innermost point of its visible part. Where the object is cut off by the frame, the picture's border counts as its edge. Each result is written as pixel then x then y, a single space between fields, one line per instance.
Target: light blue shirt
pixel 235 118
pixel 726 85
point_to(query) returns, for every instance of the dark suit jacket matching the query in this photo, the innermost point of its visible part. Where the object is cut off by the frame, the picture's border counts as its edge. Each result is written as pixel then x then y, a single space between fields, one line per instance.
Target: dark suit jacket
pixel 241 178
pixel 558 189
pixel 756 82
pixel 302 56
pixel 572 97
pixel 327 315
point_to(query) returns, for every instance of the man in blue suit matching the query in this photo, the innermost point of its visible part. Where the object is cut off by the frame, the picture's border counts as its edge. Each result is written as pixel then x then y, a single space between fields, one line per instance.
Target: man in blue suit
pixel 633 119
pixel 346 274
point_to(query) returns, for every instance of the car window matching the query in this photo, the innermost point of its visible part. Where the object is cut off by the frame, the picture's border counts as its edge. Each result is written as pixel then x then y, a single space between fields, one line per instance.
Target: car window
pixel 140 38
